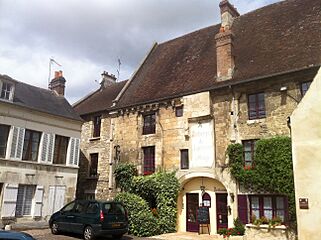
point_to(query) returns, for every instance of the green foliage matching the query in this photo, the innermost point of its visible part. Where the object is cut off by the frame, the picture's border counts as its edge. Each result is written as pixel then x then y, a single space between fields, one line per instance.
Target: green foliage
pixel 272 168
pixel 160 192
pixel 142 223
pixel 124 174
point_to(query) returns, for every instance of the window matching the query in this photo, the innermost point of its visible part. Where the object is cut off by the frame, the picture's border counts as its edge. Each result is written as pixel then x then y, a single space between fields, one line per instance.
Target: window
pixel 149 124
pixel 69 207
pixel 97 124
pixel 249 152
pixel 184 159
pixel 60 153
pixel 149 160
pixel 93 208
pixel 179 111
pixel 256 106
pixel 80 207
pixel 24 200
pixel 4 132
pixel 305 87
pixel 268 206
pixel 93 165
pixel 206 200
pixel 31 145
pixel 6 90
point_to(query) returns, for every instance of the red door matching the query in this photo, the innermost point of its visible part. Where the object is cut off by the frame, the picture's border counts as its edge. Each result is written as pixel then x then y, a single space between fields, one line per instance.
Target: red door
pixel 221 210
pixel 191 212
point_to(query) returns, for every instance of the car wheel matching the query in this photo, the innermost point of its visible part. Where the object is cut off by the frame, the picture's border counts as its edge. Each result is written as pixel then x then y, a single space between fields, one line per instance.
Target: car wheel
pixel 119 236
pixel 54 228
pixel 89 233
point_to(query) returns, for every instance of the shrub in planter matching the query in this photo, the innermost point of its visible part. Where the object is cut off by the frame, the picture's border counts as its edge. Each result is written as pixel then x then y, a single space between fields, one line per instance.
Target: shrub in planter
pixel 142 223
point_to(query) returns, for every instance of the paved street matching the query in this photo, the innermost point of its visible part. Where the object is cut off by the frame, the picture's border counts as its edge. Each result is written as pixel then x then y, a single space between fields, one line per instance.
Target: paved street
pixel 45 234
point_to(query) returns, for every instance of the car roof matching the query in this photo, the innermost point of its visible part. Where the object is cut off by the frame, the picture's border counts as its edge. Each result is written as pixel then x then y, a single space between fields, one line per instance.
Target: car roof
pixel 15 235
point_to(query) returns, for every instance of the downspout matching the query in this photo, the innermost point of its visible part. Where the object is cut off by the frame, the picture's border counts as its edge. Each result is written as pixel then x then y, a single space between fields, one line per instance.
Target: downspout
pixel 111 139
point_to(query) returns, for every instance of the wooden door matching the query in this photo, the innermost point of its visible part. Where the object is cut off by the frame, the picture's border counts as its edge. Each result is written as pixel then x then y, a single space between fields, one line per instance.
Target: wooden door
pixel 191 212
pixel 221 210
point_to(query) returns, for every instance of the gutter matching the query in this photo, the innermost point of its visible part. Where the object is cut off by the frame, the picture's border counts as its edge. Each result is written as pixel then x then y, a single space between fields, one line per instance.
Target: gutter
pixel 228 83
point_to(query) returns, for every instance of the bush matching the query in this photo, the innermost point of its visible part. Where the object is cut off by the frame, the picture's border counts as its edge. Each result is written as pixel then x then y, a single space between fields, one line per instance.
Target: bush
pixel 238 229
pixel 124 174
pixel 142 223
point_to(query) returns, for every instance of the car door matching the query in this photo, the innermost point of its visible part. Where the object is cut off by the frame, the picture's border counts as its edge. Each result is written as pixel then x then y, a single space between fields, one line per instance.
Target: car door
pixel 80 216
pixel 66 217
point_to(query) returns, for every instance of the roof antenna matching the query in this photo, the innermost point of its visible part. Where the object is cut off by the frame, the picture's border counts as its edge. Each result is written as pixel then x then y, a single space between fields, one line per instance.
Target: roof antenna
pixel 118 70
pixel 51 61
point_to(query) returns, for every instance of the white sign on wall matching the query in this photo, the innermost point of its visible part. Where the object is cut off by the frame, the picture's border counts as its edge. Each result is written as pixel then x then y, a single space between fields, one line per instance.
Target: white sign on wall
pixel 202 142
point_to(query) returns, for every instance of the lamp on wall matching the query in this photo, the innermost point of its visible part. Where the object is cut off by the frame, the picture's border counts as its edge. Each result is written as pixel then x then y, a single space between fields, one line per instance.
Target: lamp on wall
pixel 232 196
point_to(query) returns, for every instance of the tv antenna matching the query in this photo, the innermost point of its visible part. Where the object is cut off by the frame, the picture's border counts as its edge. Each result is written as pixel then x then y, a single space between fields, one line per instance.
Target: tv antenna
pixel 118 70
pixel 51 61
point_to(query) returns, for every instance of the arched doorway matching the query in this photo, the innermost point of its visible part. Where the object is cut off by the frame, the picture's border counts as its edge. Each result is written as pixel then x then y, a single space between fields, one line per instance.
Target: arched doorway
pixel 196 192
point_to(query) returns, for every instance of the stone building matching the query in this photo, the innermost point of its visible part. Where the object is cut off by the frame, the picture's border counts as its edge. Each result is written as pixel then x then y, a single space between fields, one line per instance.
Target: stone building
pixel 234 82
pixel 306 148
pixel 39 149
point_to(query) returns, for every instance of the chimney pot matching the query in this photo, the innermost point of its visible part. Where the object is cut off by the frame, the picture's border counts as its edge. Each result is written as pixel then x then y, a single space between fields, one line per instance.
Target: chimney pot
pixel 107 79
pixel 57 84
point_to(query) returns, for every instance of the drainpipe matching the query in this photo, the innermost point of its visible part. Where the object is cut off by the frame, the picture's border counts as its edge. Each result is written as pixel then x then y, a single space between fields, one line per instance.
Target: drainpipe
pixel 111 138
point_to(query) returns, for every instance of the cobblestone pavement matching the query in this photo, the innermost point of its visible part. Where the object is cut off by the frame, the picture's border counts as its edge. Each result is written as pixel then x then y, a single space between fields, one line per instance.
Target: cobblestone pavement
pixel 45 234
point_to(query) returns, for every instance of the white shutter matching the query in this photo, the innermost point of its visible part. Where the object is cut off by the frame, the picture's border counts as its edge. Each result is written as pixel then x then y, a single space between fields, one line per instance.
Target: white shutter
pixel 76 155
pixel 38 201
pixel 9 200
pixel 44 148
pixel 51 147
pixel 18 135
pixel 71 151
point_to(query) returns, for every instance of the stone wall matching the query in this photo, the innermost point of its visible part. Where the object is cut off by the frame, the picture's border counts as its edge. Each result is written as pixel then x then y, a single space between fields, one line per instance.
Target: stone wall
pixel 90 145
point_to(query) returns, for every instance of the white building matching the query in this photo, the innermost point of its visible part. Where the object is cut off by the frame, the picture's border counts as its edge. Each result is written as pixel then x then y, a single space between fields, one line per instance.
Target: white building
pixel 39 149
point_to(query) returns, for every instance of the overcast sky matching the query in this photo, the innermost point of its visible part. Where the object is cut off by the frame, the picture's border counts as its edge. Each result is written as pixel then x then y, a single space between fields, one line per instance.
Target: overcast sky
pixel 87 37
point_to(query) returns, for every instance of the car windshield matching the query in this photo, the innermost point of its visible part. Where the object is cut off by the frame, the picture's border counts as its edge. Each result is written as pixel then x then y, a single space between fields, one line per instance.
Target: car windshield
pixel 113 208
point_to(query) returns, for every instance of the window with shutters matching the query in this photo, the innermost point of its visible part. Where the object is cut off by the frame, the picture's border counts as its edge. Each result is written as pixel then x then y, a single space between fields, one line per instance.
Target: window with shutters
pixel 269 206
pixel 97 126
pixel 31 145
pixel 60 152
pixel 6 90
pixel 24 200
pixel 149 160
pixel 256 106
pixel 184 159
pixel 149 124
pixel 93 172
pixel 4 133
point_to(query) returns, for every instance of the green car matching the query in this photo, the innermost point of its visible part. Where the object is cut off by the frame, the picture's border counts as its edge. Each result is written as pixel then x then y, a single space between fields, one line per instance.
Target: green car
pixel 91 218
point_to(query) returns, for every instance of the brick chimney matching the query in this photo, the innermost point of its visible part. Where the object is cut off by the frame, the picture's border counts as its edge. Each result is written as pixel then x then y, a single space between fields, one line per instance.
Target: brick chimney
pixel 58 83
pixel 224 42
pixel 107 79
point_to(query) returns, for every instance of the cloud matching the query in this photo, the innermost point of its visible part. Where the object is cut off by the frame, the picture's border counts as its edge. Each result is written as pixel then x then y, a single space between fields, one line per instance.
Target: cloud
pixel 89 37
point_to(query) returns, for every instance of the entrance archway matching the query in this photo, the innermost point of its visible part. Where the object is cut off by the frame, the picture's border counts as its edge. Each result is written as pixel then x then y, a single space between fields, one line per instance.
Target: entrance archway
pixel 196 192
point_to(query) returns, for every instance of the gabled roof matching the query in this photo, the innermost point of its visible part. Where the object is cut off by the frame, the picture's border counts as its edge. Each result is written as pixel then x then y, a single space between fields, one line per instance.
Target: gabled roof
pixel 40 99
pixel 100 100
pixel 278 38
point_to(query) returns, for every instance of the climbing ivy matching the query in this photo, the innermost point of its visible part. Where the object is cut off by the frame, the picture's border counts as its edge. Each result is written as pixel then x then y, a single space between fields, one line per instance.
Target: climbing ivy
pixel 272 169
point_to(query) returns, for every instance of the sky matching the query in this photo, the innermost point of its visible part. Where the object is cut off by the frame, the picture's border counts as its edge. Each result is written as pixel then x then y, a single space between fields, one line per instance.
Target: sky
pixel 88 37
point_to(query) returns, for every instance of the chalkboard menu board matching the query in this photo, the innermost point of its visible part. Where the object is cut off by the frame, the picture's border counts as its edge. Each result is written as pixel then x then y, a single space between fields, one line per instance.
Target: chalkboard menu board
pixel 203 216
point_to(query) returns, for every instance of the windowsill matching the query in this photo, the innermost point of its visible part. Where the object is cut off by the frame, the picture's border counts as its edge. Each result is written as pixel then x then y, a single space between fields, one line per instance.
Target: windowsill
pixel 148 134
pixel 92 178
pixel 253 121
pixel 266 226
pixel 14 161
pixel 94 139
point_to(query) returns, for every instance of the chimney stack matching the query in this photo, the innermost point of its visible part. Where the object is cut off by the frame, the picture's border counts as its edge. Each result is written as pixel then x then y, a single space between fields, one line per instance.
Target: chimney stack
pixel 58 83
pixel 107 79
pixel 224 42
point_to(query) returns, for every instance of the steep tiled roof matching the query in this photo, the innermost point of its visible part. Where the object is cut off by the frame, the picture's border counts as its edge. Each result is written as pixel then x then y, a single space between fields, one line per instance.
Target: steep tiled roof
pixel 42 100
pixel 278 38
pixel 100 100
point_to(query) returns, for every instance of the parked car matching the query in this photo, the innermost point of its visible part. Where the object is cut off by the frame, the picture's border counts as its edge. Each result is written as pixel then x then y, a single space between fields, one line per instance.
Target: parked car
pixel 15 235
pixel 91 218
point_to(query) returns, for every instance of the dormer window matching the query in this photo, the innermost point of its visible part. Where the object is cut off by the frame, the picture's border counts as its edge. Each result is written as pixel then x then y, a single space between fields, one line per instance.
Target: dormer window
pixel 6 90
